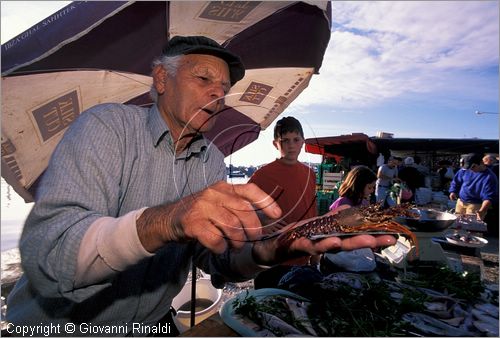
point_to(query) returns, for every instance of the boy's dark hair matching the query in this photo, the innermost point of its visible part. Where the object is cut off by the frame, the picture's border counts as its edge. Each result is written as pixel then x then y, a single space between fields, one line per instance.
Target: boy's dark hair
pixel 287 125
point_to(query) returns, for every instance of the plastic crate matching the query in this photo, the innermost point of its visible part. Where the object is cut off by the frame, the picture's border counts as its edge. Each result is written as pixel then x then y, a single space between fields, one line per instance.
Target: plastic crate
pixel 323 207
pixel 323 200
pixel 326 168
pixel 319 177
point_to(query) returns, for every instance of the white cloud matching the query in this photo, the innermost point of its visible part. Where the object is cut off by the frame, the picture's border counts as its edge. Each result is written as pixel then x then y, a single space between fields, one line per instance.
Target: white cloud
pixel 381 50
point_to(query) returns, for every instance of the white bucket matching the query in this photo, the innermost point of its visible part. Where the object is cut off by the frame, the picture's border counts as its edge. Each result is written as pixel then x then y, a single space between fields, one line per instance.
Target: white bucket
pixel 204 291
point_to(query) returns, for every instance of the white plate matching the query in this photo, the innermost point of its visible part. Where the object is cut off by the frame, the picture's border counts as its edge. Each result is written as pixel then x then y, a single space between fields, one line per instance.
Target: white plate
pixel 481 241
pixel 244 326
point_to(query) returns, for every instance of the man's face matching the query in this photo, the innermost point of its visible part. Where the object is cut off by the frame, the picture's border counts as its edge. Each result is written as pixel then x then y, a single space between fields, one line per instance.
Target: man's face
pixel 289 145
pixel 192 98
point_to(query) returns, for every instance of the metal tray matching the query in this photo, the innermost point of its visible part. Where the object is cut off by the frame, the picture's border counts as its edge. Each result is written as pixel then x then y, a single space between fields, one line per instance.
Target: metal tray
pixel 429 220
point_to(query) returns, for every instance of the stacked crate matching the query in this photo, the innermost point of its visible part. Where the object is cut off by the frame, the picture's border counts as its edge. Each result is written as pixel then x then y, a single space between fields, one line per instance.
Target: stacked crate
pixel 330 180
pixel 324 199
pixel 326 182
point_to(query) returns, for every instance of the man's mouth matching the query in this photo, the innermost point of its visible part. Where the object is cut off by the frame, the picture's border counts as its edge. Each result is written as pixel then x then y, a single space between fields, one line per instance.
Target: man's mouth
pixel 208 111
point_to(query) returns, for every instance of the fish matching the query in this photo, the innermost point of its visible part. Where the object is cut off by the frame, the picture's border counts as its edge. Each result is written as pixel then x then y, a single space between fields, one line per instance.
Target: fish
pixel 396 296
pixel 488 328
pixel 442 310
pixel 435 306
pixel 430 325
pixel 468 324
pixel 483 316
pixel 276 324
pixel 454 321
pixel 458 311
pixel 299 311
pixel 490 309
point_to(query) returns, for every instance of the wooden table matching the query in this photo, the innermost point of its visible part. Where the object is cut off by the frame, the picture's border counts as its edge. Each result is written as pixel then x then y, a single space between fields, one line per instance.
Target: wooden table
pixel 213 326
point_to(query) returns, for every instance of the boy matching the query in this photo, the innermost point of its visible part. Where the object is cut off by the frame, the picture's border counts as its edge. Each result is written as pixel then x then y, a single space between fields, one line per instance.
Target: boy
pixel 292 185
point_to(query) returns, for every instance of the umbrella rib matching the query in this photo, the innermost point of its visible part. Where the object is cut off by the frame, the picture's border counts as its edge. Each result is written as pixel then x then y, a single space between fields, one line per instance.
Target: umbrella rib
pixel 44 71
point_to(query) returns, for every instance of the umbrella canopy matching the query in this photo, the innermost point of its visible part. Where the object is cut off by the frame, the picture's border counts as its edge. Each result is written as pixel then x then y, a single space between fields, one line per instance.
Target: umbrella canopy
pixel 361 147
pixel 356 145
pixel 94 52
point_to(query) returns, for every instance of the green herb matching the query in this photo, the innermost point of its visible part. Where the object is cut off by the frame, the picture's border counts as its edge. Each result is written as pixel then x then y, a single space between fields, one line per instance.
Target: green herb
pixel 341 310
pixel 466 286
pixel 369 312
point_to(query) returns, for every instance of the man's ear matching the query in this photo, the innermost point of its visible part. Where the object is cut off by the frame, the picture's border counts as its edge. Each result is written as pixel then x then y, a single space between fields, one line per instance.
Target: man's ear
pixel 159 78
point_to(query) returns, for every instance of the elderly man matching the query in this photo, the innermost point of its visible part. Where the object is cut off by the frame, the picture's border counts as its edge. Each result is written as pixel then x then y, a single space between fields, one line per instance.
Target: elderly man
pixel 475 188
pixel 132 196
pixel 490 161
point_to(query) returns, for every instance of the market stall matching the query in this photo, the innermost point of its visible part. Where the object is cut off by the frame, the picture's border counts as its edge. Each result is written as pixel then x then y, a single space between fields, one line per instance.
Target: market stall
pixel 439 302
pixel 361 148
pixel 345 151
pixel 441 291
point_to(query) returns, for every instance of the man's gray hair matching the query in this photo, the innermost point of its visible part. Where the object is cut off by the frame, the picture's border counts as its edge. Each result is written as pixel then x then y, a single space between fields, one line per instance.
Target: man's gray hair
pixel 171 65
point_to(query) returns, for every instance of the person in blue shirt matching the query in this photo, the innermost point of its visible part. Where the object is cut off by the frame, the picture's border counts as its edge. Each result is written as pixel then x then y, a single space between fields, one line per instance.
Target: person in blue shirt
pixel 475 187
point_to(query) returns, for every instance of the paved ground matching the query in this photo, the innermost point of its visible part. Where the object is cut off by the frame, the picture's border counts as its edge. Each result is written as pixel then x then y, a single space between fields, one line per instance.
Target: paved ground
pixel 489 254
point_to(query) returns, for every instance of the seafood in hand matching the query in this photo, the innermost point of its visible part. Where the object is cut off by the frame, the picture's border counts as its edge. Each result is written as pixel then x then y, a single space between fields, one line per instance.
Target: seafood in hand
pixel 371 219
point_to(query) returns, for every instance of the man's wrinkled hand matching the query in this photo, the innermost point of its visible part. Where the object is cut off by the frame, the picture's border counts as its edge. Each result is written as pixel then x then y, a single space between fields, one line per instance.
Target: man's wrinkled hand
pixel 219 216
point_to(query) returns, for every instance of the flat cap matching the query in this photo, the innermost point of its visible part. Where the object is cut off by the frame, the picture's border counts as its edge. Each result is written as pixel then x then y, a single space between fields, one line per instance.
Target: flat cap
pixel 184 45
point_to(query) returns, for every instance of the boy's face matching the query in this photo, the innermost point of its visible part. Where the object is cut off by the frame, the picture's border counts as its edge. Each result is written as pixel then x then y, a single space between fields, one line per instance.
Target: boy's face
pixel 289 145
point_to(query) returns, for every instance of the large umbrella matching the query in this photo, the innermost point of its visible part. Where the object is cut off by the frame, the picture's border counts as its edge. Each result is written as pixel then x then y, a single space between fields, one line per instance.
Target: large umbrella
pixel 93 52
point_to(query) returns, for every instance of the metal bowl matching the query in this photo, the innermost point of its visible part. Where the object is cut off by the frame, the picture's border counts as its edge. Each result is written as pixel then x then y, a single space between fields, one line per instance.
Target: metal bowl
pixel 429 220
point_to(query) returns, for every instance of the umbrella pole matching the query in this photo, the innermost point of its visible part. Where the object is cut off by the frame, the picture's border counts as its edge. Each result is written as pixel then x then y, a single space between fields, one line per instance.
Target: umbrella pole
pixel 193 292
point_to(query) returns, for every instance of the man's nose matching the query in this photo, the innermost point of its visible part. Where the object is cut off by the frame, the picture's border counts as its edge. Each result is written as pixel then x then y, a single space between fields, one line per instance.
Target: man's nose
pixel 217 91
pixel 217 95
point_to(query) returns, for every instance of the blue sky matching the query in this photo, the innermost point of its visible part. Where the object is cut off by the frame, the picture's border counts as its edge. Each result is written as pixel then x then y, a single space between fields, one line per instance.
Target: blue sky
pixel 412 68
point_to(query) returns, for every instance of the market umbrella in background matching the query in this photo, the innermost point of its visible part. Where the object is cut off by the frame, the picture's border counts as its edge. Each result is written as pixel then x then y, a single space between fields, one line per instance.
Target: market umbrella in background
pixel 356 145
pixel 94 52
